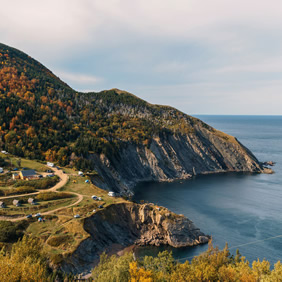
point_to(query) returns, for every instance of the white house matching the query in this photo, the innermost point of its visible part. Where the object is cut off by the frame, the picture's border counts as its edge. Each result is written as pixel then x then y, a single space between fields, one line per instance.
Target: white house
pixel 1 170
pixel 50 164
pixel 111 194
pixel 80 173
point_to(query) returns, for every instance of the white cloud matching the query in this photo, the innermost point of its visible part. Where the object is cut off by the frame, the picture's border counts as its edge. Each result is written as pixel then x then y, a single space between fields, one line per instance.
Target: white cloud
pixel 61 24
pixel 211 47
pixel 79 81
pixel 265 66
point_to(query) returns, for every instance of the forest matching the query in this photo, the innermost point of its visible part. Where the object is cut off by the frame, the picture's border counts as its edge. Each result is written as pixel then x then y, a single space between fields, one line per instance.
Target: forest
pixel 27 262
pixel 42 118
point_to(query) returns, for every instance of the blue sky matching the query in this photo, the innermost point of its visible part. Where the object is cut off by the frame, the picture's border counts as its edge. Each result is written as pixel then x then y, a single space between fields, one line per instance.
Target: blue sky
pixel 202 57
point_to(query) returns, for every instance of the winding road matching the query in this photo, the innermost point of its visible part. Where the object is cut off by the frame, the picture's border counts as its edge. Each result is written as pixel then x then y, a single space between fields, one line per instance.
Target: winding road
pixel 63 181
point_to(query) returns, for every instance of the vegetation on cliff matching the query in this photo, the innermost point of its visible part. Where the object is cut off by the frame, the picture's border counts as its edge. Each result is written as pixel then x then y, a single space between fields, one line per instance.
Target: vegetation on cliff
pixel 27 262
pixel 212 265
pixel 41 117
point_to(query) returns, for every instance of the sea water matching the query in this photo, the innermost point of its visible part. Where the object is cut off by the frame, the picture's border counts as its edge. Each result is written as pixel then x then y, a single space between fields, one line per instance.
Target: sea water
pixel 244 210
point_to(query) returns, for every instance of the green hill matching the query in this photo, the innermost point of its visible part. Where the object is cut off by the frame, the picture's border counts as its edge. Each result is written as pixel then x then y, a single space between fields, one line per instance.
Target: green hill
pixel 124 138
pixel 43 118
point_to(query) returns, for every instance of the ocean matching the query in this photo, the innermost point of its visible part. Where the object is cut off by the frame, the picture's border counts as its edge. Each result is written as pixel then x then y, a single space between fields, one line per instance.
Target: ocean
pixel 243 210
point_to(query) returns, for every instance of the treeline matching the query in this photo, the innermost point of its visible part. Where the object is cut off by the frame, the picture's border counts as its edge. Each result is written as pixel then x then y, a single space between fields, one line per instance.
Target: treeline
pixel 43 118
pixel 212 265
pixel 26 261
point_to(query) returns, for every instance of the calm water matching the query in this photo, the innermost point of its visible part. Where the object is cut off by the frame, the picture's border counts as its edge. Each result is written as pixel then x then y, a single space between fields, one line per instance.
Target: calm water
pixel 233 208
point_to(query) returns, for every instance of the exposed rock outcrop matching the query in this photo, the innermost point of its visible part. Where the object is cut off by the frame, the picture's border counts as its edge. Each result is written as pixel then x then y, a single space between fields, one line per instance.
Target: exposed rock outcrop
pixel 174 156
pixel 129 223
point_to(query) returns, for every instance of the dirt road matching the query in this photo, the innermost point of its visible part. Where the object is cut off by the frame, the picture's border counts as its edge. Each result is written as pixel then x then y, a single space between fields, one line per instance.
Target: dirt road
pixel 63 181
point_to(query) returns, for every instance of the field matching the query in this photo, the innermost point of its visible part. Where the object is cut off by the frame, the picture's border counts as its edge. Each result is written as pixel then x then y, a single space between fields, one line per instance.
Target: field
pixel 60 231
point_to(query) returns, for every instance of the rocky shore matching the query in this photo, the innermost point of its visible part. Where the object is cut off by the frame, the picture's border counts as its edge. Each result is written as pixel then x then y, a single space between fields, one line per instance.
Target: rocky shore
pixel 121 225
pixel 170 157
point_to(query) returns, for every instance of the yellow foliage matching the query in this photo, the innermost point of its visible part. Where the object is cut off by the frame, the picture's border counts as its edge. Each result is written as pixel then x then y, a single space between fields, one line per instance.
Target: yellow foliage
pixel 139 274
pixel 24 263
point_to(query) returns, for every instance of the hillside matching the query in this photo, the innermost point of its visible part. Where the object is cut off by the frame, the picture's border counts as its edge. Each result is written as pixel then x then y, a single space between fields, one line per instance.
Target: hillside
pixel 124 138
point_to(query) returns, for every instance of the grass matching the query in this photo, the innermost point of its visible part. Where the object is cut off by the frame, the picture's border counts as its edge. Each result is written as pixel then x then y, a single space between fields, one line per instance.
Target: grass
pixel 43 206
pixel 30 164
pixel 87 205
pixel 61 233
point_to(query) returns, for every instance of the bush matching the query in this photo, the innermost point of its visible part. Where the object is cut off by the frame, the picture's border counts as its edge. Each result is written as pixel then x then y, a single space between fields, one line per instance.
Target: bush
pixel 48 196
pixel 25 262
pixel 50 217
pixel 11 231
pixel 43 183
pixel 20 190
pixel 57 258
pixel 59 240
pixel 2 162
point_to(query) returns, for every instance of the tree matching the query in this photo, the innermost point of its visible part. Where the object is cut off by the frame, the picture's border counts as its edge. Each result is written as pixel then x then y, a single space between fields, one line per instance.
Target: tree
pixel 25 262
pixel 19 161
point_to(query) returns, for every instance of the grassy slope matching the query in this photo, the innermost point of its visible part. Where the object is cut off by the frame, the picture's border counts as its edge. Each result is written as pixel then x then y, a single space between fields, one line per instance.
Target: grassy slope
pixel 62 230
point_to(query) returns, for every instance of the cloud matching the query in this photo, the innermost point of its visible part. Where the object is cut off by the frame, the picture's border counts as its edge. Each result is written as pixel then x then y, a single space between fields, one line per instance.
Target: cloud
pixel 270 65
pixel 79 80
pixel 156 47
pixel 64 23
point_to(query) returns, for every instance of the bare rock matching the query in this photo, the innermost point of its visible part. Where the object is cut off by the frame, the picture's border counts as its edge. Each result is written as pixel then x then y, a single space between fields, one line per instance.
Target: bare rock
pixel 126 224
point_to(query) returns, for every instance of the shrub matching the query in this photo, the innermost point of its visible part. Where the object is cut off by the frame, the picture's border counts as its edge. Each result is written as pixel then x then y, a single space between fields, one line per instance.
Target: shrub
pixel 20 190
pixel 2 162
pixel 57 258
pixel 11 231
pixel 56 241
pixel 25 262
pixel 43 183
pixel 48 196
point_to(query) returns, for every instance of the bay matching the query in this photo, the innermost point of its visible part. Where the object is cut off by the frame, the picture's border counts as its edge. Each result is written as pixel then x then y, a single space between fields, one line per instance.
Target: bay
pixel 244 210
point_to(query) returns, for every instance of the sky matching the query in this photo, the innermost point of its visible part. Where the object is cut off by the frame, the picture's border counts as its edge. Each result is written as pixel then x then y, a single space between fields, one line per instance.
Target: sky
pixel 202 57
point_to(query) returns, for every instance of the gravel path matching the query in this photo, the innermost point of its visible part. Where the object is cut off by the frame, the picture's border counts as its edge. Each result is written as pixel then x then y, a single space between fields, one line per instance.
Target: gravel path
pixel 63 181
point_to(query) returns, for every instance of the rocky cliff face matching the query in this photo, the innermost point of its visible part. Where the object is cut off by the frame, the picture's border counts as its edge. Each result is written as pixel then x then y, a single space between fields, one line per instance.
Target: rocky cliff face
pixel 126 224
pixel 174 156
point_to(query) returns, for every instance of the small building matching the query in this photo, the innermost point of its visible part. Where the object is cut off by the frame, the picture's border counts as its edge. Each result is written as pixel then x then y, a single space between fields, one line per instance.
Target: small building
pixel 16 203
pixel 111 194
pixel 31 201
pixel 4 152
pixel 80 173
pixel 28 174
pixel 2 205
pixel 1 170
pixel 50 164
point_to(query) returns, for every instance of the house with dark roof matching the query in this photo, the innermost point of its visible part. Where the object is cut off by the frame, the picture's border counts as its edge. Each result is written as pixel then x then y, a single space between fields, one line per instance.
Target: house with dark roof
pixel 28 174
pixel 2 205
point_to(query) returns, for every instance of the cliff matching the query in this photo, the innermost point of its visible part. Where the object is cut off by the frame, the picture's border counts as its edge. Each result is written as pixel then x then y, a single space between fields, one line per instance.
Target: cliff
pixel 124 138
pixel 121 225
pixel 174 156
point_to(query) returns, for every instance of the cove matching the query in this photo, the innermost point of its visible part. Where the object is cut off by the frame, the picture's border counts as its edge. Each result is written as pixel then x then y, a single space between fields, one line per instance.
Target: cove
pixel 244 210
